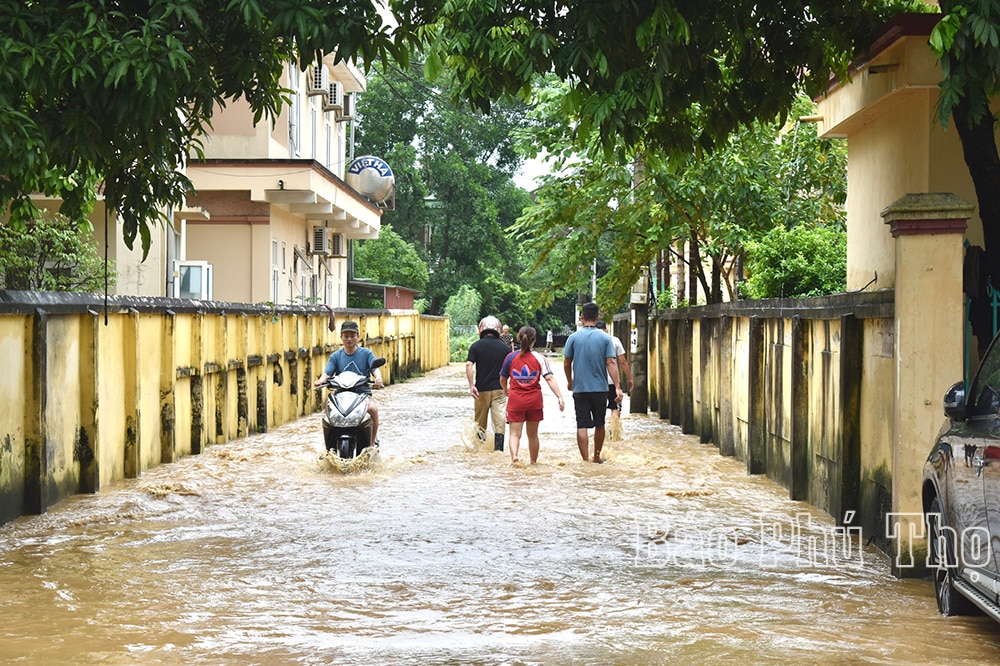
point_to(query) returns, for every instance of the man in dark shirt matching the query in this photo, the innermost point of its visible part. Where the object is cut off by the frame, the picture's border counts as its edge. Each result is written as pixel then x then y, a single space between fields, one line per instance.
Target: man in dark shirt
pixel 486 356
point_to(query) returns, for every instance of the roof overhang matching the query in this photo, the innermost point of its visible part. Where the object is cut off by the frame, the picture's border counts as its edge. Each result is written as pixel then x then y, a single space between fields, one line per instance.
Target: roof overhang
pixel 304 188
pixel 899 64
pixel 346 73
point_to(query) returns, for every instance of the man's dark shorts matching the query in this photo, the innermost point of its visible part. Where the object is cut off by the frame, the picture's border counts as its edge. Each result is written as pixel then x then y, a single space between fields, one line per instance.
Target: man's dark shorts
pixel 590 409
pixel 613 403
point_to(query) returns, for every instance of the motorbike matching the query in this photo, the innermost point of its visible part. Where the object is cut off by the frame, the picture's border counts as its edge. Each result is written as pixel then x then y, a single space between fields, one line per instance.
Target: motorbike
pixel 347 426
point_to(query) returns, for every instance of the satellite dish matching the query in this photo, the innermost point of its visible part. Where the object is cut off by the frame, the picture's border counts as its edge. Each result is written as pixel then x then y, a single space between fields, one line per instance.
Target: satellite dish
pixel 371 177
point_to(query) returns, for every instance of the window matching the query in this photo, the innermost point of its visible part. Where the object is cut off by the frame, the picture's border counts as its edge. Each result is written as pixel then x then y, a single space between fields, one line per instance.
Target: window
pixel 315 131
pixel 329 144
pixel 274 270
pixel 194 280
pixel 294 110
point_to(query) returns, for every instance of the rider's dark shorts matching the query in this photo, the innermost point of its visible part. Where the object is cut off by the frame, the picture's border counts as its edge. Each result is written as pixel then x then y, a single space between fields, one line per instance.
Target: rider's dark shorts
pixel 590 409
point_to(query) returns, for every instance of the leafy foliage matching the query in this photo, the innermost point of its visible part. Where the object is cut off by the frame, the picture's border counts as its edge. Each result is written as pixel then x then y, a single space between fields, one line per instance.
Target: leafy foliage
pixel 796 263
pixel 49 253
pixel 390 260
pixel 624 214
pixel 454 194
pixel 640 73
pixel 459 344
pixel 966 40
pixel 116 95
pixel 463 309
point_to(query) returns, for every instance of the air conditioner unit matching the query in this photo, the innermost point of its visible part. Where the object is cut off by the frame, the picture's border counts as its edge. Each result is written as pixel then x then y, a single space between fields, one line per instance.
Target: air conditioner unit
pixel 338 245
pixel 318 81
pixel 347 113
pixel 335 97
pixel 320 241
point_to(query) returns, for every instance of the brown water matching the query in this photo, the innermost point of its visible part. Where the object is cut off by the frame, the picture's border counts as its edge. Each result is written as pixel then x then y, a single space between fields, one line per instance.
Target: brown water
pixel 253 553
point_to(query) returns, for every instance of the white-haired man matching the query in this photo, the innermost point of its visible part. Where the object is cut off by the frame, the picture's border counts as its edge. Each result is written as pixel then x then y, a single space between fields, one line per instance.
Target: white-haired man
pixel 482 368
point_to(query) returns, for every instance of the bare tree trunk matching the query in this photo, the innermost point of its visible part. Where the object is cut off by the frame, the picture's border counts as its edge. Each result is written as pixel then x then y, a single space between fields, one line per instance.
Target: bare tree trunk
pixel 663 271
pixel 716 282
pixel 980 150
pixel 681 286
pixel 694 270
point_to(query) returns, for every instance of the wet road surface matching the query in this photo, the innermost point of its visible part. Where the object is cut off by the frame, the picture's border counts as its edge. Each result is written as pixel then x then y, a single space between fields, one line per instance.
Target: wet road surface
pixel 255 553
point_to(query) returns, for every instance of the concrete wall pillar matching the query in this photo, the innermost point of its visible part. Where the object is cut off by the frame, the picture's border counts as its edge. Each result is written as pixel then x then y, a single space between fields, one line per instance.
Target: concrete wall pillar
pixel 929 322
pixel 638 344
pixel 639 357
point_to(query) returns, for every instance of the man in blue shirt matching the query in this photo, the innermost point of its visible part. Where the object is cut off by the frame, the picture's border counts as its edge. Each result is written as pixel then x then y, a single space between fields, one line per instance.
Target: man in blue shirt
pixel 589 361
pixel 357 359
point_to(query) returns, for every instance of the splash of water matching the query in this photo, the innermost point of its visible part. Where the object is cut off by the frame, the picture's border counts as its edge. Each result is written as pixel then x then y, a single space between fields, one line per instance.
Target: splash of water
pixel 367 460
pixel 614 433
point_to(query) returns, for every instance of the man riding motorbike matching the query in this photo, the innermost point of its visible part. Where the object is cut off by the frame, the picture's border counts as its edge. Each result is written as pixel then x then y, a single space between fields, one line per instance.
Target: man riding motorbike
pixel 355 359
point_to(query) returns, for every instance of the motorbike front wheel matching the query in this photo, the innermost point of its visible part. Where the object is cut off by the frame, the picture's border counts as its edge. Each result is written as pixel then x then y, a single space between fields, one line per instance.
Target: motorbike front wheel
pixel 346 448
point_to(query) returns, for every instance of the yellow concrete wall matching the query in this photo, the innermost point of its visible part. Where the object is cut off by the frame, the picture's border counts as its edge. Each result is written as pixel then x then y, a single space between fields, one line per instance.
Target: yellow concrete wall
pixel 824 408
pixel 86 404
pixel 740 390
pixel 16 393
pixel 112 367
pixel 61 387
pixel 837 457
pixel 876 418
pixel 777 390
pixel 148 363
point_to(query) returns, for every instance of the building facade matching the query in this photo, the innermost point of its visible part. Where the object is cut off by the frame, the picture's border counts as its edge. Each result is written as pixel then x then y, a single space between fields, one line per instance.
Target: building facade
pixel 273 215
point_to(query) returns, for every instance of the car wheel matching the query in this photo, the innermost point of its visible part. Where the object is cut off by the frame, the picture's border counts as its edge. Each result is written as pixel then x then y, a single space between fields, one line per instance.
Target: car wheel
pixel 950 601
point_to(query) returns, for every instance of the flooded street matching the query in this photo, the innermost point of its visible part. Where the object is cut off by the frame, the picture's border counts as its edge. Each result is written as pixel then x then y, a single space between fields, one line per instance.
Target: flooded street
pixel 253 553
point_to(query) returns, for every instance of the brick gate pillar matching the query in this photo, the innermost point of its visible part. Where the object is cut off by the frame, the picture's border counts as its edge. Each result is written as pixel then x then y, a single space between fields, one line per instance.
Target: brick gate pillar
pixel 929 321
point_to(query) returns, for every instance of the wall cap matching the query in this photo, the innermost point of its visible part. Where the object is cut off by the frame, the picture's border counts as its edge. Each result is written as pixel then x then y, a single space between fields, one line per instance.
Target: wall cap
pixel 930 205
pixel 928 213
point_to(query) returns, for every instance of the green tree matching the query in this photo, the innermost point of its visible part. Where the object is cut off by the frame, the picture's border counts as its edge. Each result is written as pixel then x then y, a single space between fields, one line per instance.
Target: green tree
pixel 389 259
pixel 463 309
pixel 803 261
pixel 624 214
pixel 118 94
pixel 674 73
pixel 100 93
pixel 51 254
pixel 454 196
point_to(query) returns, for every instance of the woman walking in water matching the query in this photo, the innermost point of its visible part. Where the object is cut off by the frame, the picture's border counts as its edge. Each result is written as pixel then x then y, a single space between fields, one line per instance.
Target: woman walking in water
pixel 521 378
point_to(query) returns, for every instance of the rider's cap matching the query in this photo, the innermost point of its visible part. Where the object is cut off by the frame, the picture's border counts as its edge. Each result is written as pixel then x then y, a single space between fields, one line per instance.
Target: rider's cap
pixel 349 326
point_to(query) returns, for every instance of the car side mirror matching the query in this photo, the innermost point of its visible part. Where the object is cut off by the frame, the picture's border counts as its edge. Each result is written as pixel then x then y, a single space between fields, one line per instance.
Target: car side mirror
pixel 954 402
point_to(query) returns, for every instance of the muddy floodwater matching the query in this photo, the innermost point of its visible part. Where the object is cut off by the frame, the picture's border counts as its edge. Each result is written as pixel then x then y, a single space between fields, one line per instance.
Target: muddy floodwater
pixel 255 553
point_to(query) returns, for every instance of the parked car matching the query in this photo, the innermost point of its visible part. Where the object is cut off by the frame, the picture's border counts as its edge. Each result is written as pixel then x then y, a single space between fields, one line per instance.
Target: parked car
pixel 961 495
